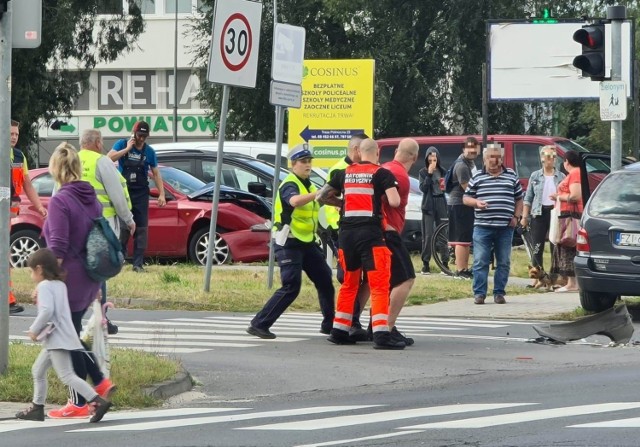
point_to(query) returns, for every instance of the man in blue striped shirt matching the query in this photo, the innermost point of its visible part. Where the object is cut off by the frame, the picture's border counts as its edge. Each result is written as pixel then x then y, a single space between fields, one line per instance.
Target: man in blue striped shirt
pixel 497 197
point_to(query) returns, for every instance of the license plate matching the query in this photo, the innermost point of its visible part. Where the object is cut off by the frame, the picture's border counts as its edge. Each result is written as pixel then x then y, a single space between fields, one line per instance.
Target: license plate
pixel 628 239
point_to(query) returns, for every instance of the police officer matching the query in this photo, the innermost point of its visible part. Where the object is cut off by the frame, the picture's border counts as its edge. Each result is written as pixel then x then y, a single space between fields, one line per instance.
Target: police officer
pixel 295 225
pixel 135 157
pixel 20 182
pixel 362 245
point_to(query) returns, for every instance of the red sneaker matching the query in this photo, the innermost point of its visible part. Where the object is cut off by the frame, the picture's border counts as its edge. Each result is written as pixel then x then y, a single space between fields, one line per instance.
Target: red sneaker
pixel 105 388
pixel 70 411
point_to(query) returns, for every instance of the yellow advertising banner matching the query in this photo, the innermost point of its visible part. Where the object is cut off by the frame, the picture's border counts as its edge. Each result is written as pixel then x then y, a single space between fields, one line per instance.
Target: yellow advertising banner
pixel 337 102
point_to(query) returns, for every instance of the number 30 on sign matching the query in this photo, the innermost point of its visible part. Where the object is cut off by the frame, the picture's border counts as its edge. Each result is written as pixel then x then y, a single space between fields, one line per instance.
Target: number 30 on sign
pixel 235 42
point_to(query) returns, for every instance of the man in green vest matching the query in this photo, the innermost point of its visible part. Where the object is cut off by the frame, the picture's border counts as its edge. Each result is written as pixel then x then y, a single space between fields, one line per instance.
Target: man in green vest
pixel 295 224
pixel 111 189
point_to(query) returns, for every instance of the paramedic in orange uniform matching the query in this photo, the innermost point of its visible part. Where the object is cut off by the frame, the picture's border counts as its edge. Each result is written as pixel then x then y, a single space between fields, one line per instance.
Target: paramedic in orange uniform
pixel 20 182
pixel 362 246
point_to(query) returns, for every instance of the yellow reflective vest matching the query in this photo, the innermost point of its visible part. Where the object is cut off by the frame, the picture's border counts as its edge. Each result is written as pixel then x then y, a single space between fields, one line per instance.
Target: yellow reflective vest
pixel 89 160
pixel 303 218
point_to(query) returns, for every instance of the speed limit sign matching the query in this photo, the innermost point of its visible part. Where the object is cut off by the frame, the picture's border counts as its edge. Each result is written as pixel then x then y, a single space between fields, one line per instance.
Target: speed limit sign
pixel 235 41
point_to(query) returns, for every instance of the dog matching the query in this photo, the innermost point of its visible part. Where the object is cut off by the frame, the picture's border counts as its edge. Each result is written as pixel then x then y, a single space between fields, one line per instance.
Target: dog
pixel 542 278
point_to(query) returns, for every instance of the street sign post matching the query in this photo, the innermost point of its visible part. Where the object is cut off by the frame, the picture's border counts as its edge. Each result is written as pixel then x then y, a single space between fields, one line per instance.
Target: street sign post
pixel 613 101
pixel 288 54
pixel 233 61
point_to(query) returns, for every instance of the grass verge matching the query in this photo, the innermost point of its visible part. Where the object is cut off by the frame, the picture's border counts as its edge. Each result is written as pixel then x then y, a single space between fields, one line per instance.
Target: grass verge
pixel 234 290
pixel 17 385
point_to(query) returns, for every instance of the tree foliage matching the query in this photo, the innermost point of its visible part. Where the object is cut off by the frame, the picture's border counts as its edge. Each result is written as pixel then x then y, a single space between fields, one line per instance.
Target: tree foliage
pixel 428 55
pixel 47 81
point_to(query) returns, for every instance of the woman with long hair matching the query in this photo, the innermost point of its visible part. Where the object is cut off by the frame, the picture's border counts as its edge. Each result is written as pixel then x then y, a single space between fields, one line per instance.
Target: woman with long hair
pixel 71 213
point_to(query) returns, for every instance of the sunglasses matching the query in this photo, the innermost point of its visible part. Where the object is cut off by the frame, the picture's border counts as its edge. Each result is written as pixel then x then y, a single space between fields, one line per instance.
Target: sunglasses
pixel 549 155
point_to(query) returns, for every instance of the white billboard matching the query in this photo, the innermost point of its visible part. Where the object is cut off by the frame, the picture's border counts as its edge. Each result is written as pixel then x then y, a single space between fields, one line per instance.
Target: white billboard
pixel 534 62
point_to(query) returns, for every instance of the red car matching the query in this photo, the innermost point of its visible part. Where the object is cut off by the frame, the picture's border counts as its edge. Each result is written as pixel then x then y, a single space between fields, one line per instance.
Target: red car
pixel 179 229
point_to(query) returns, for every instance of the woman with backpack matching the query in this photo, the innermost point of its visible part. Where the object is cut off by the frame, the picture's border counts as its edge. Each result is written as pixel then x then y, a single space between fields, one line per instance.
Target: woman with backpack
pixel 71 213
pixel 434 204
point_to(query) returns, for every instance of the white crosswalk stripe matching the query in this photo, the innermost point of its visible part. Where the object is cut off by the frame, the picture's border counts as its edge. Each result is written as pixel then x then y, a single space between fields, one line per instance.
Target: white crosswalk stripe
pixel 197 335
pixel 364 417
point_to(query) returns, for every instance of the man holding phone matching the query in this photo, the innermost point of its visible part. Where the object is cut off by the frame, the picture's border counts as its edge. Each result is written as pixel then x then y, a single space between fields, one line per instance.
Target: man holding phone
pixel 135 158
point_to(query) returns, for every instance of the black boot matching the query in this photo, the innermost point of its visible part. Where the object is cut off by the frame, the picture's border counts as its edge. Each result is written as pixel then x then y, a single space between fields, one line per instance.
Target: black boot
pixel 34 413
pixel 340 337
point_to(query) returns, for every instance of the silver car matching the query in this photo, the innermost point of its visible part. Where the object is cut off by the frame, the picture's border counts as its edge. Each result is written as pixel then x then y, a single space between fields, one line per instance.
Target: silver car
pixel 607 264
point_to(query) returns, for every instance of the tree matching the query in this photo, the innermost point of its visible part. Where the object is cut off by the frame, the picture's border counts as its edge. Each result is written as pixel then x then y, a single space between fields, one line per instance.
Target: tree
pixel 47 81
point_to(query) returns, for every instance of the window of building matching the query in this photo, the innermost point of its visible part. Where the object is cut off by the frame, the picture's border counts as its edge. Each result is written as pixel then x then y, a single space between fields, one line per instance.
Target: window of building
pixel 109 7
pixel 184 6
pixel 147 6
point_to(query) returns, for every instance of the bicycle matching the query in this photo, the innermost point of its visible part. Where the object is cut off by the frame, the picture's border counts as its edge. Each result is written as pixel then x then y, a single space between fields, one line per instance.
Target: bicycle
pixel 445 255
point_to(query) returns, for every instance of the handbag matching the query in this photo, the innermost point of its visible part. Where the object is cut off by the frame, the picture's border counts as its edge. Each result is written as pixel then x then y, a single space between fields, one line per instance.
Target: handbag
pixel 568 226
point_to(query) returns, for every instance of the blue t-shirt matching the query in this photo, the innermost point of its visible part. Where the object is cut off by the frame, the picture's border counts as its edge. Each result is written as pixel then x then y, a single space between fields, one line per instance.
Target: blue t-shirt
pixel 150 160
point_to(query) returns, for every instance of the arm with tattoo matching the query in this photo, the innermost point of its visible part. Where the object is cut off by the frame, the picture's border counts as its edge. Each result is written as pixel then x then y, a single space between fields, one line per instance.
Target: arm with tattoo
pixel 328 195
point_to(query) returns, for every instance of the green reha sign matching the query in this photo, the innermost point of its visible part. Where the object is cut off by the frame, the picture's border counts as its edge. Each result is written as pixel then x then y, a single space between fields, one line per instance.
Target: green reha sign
pixel 186 123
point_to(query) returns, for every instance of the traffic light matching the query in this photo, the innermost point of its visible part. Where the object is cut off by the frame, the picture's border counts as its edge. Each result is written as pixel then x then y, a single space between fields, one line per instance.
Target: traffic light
pixel 592 59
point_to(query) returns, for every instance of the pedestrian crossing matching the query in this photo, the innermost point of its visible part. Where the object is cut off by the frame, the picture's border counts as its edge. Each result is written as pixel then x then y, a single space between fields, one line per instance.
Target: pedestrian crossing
pixel 196 335
pixel 373 421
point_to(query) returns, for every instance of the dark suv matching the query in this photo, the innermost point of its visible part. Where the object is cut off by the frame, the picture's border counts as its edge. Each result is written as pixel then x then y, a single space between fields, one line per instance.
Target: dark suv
pixel 607 264
pixel 238 171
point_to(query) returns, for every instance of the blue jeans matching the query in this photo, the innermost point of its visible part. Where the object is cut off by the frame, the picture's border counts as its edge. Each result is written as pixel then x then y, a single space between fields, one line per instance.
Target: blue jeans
pixel 486 239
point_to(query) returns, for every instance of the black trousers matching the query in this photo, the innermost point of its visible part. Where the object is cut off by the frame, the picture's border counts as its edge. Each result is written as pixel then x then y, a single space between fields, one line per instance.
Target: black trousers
pixel 83 361
pixel 539 235
pixel 293 260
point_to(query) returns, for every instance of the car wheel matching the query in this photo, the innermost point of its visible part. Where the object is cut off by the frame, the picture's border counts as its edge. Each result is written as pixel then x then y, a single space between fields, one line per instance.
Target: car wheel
pixel 199 244
pixel 597 302
pixel 23 244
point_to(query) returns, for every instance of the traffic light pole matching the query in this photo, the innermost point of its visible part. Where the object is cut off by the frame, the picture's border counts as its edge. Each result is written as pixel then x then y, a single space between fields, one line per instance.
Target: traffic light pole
pixel 616 14
pixel 5 186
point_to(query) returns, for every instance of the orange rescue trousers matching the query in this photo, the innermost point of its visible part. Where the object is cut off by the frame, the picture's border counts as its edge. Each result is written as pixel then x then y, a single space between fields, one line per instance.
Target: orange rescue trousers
pixel 379 284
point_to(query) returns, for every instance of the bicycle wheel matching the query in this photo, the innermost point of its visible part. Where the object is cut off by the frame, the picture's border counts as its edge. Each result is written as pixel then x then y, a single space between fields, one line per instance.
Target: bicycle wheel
pixel 442 254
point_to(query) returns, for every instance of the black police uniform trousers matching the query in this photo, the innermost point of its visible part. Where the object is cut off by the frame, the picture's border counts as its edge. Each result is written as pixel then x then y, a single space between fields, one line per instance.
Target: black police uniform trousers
pixel 140 209
pixel 294 258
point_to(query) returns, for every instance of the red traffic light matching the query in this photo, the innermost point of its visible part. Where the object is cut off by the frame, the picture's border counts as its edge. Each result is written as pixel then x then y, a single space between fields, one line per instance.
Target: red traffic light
pixel 590 36
pixel 592 59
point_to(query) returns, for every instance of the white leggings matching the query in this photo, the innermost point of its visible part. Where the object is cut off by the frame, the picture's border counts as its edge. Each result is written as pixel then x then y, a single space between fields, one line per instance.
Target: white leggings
pixel 60 359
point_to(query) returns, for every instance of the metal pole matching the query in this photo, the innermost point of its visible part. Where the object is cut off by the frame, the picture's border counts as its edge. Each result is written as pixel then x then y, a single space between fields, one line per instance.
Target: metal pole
pixel 636 110
pixel 276 174
pixel 485 106
pixel 175 76
pixel 616 14
pixel 5 185
pixel 216 188
pixel 276 185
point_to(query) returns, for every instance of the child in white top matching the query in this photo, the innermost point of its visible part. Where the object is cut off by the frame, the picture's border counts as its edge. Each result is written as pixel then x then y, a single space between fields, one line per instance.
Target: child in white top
pixel 53 326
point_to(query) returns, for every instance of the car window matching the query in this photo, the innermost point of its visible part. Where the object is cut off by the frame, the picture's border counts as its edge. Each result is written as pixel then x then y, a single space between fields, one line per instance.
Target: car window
pixel 183 165
pixel 272 159
pixel 527 158
pixel 618 195
pixel 43 185
pixel 179 180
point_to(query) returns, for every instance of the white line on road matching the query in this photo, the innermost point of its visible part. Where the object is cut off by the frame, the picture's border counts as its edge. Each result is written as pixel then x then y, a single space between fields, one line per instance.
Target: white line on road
pixel 17 424
pixel 365 438
pixel 527 416
pixel 619 423
pixel 170 337
pixel 370 418
pixel 218 419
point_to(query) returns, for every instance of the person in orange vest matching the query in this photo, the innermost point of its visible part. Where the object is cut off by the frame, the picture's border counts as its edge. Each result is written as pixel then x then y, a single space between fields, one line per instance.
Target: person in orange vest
pixel 20 182
pixel 361 241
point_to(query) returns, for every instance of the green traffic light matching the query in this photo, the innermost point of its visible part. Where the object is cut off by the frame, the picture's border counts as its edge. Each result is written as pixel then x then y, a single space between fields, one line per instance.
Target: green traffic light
pixel 546 17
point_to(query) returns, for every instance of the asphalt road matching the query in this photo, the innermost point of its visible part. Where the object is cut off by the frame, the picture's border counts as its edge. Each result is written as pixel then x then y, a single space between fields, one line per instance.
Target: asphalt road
pixel 464 383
